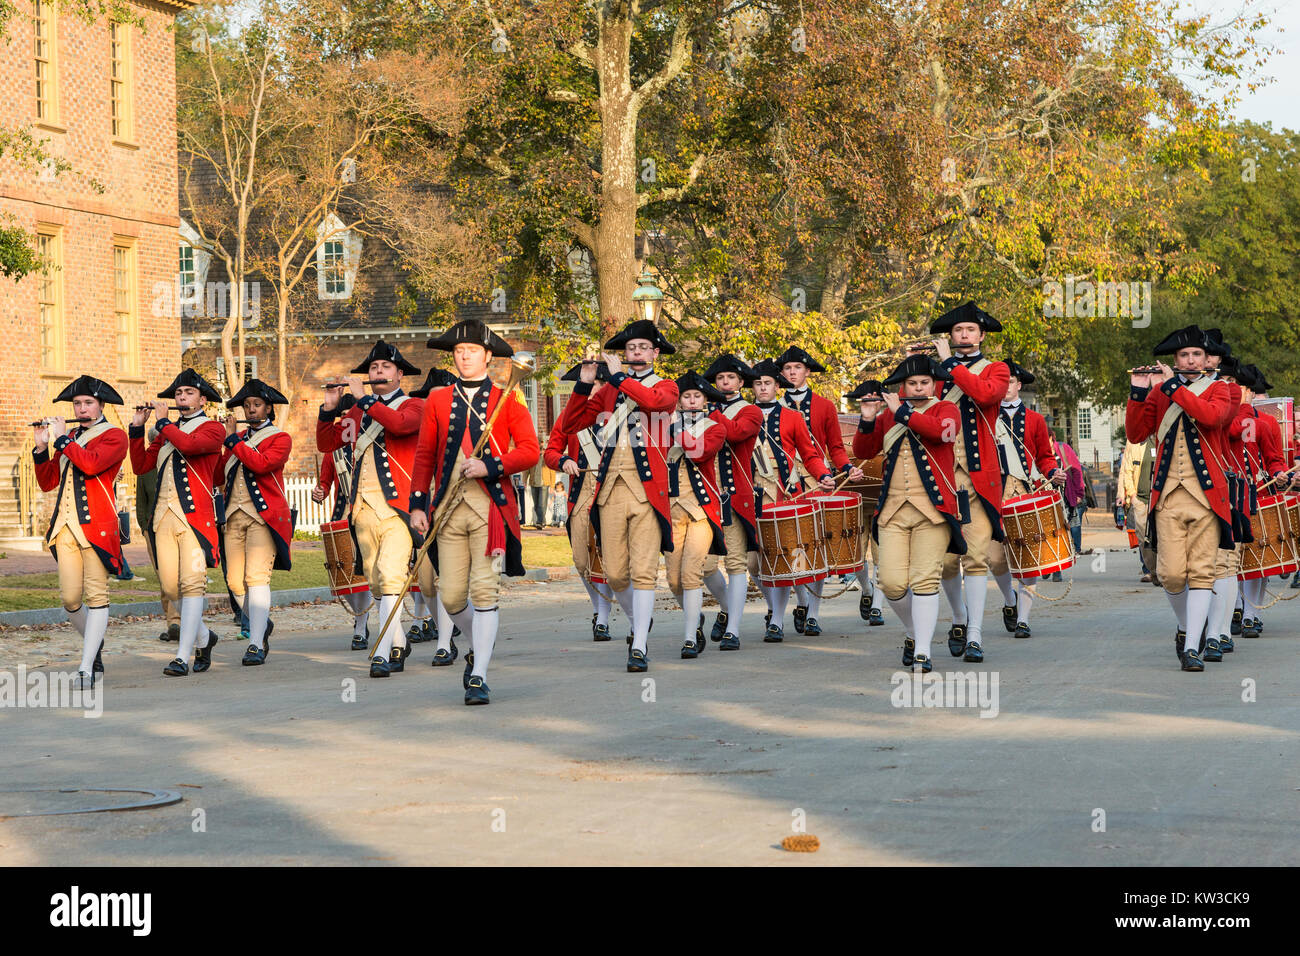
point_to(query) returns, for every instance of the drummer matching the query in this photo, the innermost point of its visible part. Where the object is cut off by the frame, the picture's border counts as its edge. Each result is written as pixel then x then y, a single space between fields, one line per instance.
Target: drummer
pixel 783 445
pixel 335 478
pixel 870 604
pixel 917 518
pixel 425 603
pixel 1221 365
pixel 1025 454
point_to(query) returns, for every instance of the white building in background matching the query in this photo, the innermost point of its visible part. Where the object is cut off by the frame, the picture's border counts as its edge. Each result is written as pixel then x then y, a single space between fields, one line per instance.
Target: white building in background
pixel 1089 429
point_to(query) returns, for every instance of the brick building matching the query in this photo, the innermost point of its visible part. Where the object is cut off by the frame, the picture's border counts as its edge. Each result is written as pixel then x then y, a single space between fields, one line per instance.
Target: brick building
pixel 102 97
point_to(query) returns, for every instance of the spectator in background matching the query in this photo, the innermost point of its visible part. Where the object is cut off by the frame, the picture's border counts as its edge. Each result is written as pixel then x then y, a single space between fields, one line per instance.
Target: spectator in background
pixel 518 480
pixel 1075 492
pixel 1133 504
pixel 559 504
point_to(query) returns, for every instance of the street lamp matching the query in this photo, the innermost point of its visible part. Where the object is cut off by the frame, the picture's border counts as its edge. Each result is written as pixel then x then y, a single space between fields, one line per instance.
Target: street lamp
pixel 648 299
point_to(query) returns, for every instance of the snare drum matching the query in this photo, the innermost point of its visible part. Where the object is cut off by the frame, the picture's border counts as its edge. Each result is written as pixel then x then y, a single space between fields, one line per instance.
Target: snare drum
pixel 595 570
pixel 1274 549
pixel 337 538
pixel 1037 536
pixel 1293 518
pixel 792 544
pixel 845 538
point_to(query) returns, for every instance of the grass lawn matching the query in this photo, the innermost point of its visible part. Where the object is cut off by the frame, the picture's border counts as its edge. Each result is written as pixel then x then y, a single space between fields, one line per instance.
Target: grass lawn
pixel 23 592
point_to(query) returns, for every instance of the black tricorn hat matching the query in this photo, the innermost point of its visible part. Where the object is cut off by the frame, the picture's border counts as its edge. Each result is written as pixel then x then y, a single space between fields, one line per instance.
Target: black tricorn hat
pixel 89 385
pixel 472 332
pixel 694 380
pixel 1249 376
pixel 255 388
pixel 383 352
pixel 770 369
pixel 1019 371
pixel 967 312
pixel 1188 337
pixel 641 329
pixel 574 374
pixel 1230 367
pixel 916 365
pixel 1214 344
pixel 729 363
pixel 796 354
pixel 194 380
pixel 437 378
pixel 868 389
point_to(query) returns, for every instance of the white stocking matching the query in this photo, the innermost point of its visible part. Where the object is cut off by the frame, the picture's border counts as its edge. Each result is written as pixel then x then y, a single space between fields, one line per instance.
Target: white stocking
pixel 96 625
pixel 191 623
pixel 925 617
pixel 643 608
pixel 445 625
pixel 386 604
pixel 977 592
pixel 956 601
pixel 258 605
pixel 1198 609
pixel 1179 603
pixel 1006 584
pixel 484 639
pixel 903 608
pixel 737 591
pixel 692 601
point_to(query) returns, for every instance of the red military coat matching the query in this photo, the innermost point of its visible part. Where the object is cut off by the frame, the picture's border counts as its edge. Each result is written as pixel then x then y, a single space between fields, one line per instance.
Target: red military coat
pixel 735 464
pixel 650 440
pixel 195 467
pixel 788 437
pixel 1258 441
pixel 929 429
pixel 696 465
pixel 1205 425
pixel 94 472
pixel 821 418
pixel 1032 441
pixel 393 452
pixel 449 426
pixel 978 406
pixel 262 471
pixel 562 446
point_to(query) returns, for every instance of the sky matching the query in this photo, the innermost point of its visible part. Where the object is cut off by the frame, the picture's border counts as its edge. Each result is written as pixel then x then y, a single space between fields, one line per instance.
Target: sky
pixel 1278 102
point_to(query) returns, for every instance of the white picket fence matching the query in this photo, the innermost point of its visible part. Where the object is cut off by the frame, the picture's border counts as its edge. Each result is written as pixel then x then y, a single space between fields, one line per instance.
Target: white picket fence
pixel 310 515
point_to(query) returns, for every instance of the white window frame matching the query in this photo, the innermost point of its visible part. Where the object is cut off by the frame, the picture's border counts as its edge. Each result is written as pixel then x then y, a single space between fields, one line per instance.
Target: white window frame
pixel 195 304
pixel 331 230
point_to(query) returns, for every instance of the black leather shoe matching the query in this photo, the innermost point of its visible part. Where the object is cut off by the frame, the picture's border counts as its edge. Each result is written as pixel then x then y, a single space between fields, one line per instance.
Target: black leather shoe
pixel 469 669
pixel 648 629
pixel 361 642
pixel 397 660
pixel 1180 638
pixel 455 631
pixel 877 617
pixel 926 665
pixel 379 667
pixel 700 642
pixel 476 692
pixel 447 657
pixel 203 656
pixel 1192 661
pixel 1259 625
pixel 417 633
pixel 690 651
pixel 974 653
pixel 1226 644
pixel 177 668
pixel 1022 630
pixel 1250 629
pixel 593 625
pixel 253 656
pixel 730 642
pixel 864 607
pixel 800 616
pixel 98 666
pixel 719 627
pixel 1212 654
pixel 1056 576
pixel 1235 626
pixel 1009 618
pixel 811 627
pixel 773 635
pixel 600 633
pixel 1295 581
pixel 637 662
pixel 957 639
pixel 172 634
pixel 909 651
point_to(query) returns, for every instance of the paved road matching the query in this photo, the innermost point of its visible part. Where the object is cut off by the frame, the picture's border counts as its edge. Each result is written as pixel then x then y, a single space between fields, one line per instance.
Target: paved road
pixel 572 764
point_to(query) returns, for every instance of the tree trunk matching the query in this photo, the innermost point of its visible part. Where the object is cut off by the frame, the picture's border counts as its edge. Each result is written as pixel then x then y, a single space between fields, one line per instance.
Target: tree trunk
pixel 835 287
pixel 282 342
pixel 615 230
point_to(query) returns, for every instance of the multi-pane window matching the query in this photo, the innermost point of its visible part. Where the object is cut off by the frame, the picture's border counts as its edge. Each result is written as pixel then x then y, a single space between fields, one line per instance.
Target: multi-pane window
pixel 1085 424
pixel 120 79
pixel 50 300
pixel 44 24
pixel 185 275
pixel 333 267
pixel 124 312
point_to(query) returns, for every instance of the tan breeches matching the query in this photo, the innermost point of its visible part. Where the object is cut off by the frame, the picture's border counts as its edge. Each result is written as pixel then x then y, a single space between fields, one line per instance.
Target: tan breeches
pixel 427 578
pixel 182 569
pixel 1187 542
pixel 685 563
pixel 978 535
pixel 580 527
pixel 83 579
pixel 912 551
pixel 1227 562
pixel 629 541
pixel 250 553
pixel 465 572
pixel 738 559
pixel 385 548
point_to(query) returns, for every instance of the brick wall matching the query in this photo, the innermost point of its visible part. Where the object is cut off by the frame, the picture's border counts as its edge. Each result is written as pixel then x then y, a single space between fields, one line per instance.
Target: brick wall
pixel 137 201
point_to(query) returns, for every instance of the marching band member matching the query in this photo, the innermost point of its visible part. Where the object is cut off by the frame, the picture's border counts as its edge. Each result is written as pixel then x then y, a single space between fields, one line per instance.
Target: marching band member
pixel 1025 455
pixel 336 476
pixel 977 387
pixel 1190 511
pixel 869 605
pixel 1220 365
pixel 183 524
pixel 630 514
pixel 783 443
pixel 258 526
pixel 426 603
pixel 482 516
pixel 917 520
pixel 576 455
pixel 821 419
pixel 83 532
pixel 381 429
pixel 742 421
pixel 696 509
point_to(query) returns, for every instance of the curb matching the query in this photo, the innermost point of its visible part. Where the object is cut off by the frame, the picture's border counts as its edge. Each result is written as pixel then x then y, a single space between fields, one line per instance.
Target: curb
pixel 46 616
